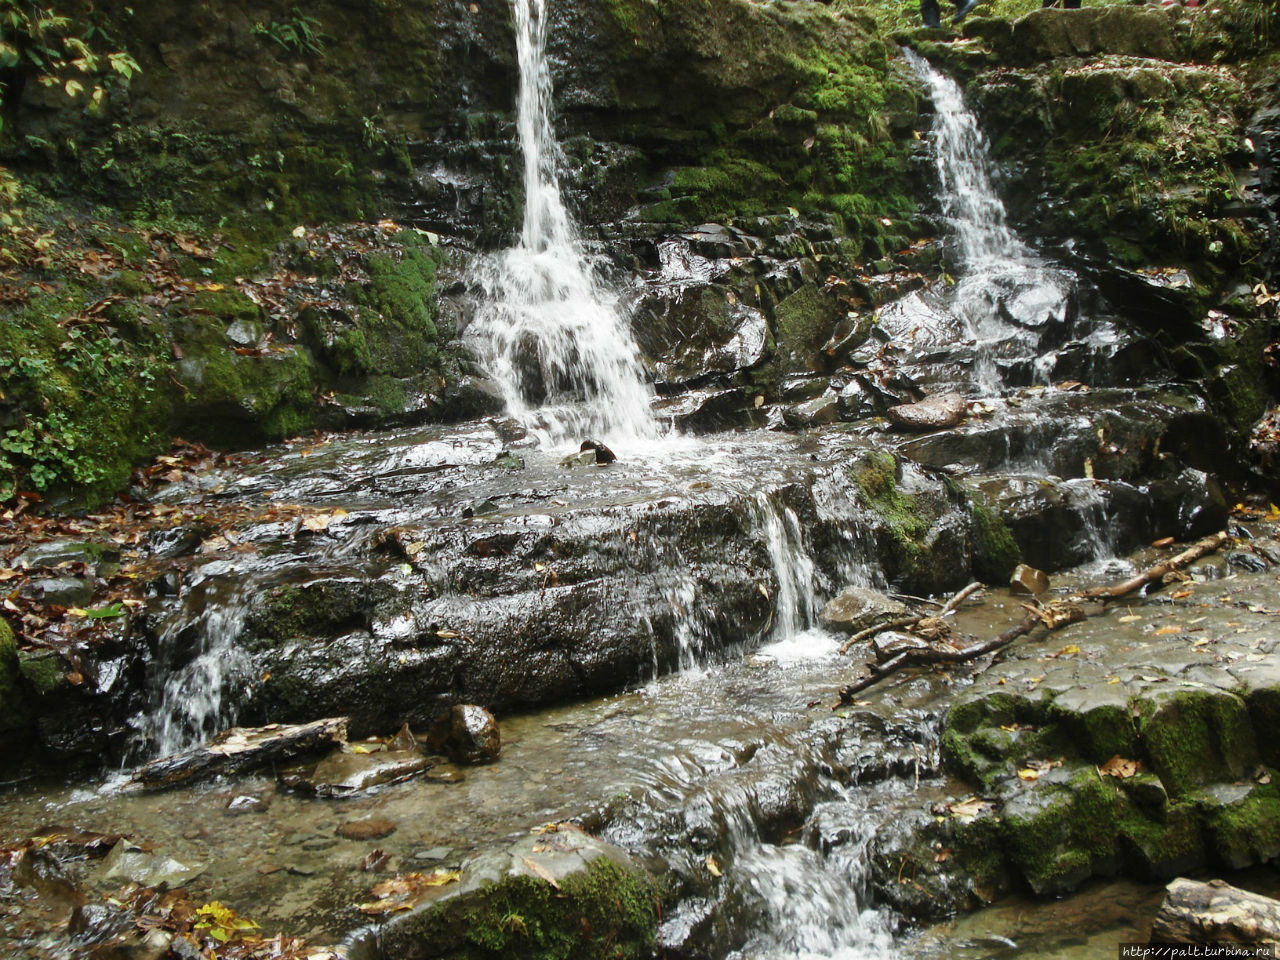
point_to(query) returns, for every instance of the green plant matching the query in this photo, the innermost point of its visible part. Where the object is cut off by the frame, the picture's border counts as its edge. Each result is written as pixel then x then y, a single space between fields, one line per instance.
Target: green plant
pixel 297 34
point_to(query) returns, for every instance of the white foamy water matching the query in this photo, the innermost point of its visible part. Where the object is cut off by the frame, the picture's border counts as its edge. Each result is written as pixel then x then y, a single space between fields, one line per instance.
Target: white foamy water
pixel 551 334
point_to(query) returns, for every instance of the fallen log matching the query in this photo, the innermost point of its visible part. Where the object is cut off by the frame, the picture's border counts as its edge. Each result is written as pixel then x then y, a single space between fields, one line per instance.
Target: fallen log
pixel 1160 570
pixel 240 750
pixel 1215 912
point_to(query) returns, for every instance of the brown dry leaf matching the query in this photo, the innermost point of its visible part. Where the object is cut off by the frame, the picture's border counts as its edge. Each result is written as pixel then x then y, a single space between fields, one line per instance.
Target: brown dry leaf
pixel 1163 542
pixel 1120 768
pixel 942 856
pixel 541 871
pixel 318 523
pixel 1168 631
pixel 1181 594
pixel 969 807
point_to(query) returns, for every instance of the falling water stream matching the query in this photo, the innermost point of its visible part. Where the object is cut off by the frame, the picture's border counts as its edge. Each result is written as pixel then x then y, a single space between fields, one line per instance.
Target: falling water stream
pixel 553 335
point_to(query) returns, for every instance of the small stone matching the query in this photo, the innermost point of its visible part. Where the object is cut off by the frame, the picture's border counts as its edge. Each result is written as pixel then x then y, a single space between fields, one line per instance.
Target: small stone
pixel 435 853
pixel 932 413
pixel 65 591
pixel 604 456
pixel 367 829
pixel 857 608
pixel 301 871
pixel 321 844
pixel 1028 580
pixel 247 804
pixel 586 458
pixel 473 734
pixel 812 413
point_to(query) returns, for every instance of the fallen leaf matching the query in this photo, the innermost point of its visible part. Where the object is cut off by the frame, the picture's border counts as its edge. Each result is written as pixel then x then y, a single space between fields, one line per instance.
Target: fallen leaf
pixel 541 871
pixel 712 867
pixel 1026 773
pixel 969 807
pixel 1120 768
pixel 1163 542
pixel 1168 631
pixel 942 856
pixel 1181 594
pixel 1131 618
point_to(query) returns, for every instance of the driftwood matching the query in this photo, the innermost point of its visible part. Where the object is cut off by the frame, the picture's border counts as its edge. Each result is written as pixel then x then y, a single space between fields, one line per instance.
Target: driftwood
pixel 240 750
pixel 902 622
pixel 1160 570
pixel 1215 912
pixel 1052 618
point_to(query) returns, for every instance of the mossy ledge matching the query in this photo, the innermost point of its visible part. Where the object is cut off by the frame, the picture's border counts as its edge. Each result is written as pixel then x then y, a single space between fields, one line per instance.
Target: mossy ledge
pixel 558 895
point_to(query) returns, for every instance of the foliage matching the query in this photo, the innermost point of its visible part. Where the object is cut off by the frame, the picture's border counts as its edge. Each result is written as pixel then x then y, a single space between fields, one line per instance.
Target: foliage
pixel 297 34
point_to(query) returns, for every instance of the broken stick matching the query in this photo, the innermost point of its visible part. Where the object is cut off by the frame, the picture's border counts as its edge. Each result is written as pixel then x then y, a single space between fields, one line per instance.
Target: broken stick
pixel 1151 574
pixel 902 622
pixel 1053 620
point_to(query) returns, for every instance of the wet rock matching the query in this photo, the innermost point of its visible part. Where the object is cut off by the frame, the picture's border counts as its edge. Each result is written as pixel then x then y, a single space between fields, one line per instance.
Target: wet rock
pixel 703 412
pixel 811 413
pixel 179 541
pixel 584 458
pixel 95 555
pixel 510 430
pixel 1028 580
pixel 478 508
pixel 65 591
pixel 372 829
pixel 604 455
pixel 433 854
pixel 799 389
pixel 1242 821
pixel 890 643
pixel 932 413
pixel 342 774
pixel 473 735
pixel 129 863
pixel 508 461
pixel 857 608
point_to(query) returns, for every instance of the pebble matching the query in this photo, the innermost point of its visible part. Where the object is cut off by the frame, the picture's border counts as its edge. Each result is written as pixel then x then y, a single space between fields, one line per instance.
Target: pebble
pixel 299 871
pixel 373 829
pixel 435 853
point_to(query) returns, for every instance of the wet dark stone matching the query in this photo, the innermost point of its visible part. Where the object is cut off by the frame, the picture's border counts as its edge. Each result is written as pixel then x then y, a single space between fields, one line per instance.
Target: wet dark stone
pixel 709 412
pixel 812 413
pixel 64 591
pixel 603 454
pixel 473 735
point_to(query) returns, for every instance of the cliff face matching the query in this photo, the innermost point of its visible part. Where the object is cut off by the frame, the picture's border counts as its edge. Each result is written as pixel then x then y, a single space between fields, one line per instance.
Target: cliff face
pixel 170 210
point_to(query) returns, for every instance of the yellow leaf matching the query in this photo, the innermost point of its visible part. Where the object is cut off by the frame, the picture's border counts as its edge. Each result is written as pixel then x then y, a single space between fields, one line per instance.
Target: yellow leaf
pixel 1169 630
pixel 1026 773
pixel 712 867
pixel 1131 618
pixel 1069 650
pixel 360 748
pixel 73 87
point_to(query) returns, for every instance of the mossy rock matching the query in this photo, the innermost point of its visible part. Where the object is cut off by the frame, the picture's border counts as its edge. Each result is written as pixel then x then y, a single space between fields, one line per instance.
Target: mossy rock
pixel 1100 721
pixel 324 608
pixel 15 711
pixel 995 551
pixel 1242 821
pixel 602 905
pixel 805 321
pixel 1196 737
pixel 1061 834
pixel 986 733
pixel 42 671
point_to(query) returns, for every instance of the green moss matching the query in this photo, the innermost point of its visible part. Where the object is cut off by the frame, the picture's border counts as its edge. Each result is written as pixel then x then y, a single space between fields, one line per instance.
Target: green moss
pixel 1194 737
pixel 1059 836
pixel 1163 847
pixel 995 552
pixel 15 712
pixel 1243 830
pixel 318 609
pixel 42 671
pixel 605 910
pixel 398 335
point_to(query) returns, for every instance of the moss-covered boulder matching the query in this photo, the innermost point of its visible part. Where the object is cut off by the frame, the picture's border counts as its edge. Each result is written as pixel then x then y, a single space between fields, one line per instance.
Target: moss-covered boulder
pixel 558 895
pixel 15 711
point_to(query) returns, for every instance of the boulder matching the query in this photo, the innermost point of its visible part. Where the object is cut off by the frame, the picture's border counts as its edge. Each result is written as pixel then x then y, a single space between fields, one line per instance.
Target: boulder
pixel 932 413
pixel 473 735
pixel 857 608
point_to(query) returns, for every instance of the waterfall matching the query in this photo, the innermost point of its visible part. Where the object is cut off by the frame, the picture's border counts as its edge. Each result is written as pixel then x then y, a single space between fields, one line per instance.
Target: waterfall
pixel 1004 293
pixel 974 213
pixel 190 702
pixel 551 334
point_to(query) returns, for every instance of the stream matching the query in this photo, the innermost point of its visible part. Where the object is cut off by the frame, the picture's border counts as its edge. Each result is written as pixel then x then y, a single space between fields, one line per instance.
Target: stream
pixel 670 600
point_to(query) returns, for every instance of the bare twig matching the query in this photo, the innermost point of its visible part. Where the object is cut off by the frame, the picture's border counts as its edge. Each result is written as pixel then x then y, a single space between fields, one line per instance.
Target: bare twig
pixel 1160 570
pixel 879 628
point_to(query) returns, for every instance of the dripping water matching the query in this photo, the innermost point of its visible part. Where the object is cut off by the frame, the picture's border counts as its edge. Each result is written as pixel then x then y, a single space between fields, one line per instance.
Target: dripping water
pixel 552 335
pixel 193 701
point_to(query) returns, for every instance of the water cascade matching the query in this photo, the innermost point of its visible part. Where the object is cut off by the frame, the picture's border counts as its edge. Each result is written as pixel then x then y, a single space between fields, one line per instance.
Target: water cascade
pixel 191 702
pixel 551 334
pixel 1004 295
